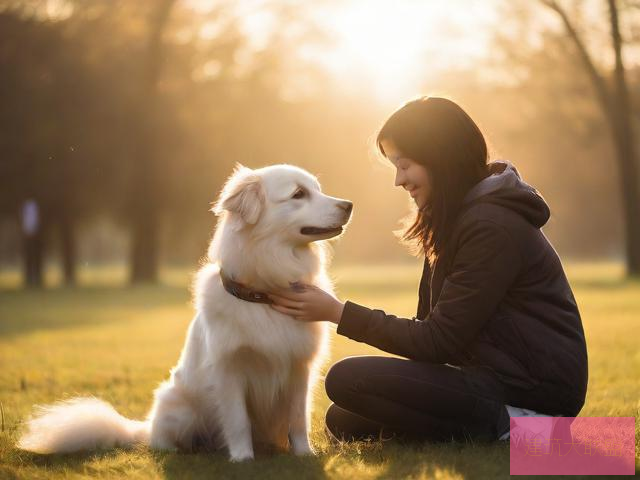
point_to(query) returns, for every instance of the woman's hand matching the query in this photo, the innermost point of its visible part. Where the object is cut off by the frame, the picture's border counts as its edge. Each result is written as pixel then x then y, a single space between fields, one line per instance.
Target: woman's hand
pixel 307 303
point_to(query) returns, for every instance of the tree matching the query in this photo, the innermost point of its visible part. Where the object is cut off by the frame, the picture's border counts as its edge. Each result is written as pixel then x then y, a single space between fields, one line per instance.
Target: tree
pixel 615 104
pixel 66 113
pixel 145 191
pixel 46 85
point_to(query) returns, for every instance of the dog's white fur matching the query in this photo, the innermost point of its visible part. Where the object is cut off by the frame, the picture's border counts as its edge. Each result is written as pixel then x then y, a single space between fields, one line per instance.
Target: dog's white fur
pixel 245 372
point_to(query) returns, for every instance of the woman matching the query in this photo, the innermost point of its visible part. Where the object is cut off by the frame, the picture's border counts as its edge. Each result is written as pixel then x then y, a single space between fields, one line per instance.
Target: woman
pixel 497 331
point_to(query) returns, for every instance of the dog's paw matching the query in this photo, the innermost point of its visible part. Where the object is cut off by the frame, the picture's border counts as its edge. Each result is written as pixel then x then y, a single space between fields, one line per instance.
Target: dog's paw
pixel 303 450
pixel 244 457
pixel 241 453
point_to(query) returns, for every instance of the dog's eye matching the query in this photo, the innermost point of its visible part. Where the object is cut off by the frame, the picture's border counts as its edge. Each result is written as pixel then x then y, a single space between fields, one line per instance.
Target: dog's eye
pixel 300 193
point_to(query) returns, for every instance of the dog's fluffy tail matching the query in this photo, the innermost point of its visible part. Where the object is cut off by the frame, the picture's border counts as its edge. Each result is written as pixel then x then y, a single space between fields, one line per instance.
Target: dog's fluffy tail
pixel 81 424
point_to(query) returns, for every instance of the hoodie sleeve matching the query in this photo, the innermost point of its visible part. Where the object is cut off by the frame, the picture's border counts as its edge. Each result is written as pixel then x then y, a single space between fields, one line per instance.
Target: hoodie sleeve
pixel 486 263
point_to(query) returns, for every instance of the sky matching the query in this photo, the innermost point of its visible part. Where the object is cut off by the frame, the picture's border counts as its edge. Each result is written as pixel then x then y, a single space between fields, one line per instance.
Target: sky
pixel 394 45
pixel 386 46
pixel 390 48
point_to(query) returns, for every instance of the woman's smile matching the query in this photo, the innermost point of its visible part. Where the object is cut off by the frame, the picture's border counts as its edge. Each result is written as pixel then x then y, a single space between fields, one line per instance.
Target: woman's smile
pixel 410 175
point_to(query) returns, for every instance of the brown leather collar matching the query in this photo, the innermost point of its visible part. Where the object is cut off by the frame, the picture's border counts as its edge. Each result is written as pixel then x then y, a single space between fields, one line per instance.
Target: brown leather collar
pixel 242 292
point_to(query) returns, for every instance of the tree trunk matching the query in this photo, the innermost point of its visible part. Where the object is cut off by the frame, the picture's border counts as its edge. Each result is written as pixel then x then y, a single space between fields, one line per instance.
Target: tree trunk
pixel 68 246
pixel 630 195
pixel 144 190
pixel 33 258
pixel 625 149
pixel 616 107
pixel 144 253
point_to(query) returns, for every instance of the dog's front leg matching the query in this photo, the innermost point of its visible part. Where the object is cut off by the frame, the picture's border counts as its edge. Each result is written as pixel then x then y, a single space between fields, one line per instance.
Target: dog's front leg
pixel 299 415
pixel 234 419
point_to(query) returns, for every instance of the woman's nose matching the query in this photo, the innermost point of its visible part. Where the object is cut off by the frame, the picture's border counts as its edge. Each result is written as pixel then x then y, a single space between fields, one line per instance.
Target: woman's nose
pixel 399 179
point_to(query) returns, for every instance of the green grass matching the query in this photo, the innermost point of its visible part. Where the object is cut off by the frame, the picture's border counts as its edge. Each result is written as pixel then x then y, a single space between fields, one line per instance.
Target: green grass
pixel 97 340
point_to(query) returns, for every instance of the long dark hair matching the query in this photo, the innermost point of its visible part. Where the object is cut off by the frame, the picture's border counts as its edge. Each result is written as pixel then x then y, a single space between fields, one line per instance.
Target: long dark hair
pixel 439 135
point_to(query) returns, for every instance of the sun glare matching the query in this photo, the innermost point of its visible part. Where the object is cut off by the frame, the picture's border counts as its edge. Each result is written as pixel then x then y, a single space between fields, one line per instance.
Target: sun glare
pixel 378 44
pixel 382 48
pixel 391 47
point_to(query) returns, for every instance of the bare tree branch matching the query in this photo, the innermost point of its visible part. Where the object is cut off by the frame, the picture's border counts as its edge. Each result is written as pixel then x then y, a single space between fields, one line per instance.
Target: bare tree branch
pixel 617 47
pixel 602 93
pixel 616 106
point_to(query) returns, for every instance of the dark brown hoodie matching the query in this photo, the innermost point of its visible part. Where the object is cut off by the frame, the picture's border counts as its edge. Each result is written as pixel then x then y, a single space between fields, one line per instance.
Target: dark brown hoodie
pixel 498 298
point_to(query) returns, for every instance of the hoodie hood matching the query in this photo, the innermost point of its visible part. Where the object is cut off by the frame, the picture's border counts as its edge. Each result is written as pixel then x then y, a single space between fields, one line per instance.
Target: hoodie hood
pixel 505 187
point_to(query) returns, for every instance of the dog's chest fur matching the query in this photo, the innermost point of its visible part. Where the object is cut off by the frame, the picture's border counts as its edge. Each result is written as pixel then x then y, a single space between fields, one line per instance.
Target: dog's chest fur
pixel 250 334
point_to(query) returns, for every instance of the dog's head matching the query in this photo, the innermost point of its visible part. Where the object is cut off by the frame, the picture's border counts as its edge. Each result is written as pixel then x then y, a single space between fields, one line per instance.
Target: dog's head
pixel 284 201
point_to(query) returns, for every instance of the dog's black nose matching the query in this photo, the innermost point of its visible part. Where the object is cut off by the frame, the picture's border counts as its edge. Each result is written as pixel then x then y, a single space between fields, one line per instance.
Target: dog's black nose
pixel 346 205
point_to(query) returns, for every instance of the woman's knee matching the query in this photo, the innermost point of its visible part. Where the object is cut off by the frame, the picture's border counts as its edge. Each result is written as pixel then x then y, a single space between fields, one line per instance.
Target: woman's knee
pixel 342 377
pixel 332 423
pixel 343 425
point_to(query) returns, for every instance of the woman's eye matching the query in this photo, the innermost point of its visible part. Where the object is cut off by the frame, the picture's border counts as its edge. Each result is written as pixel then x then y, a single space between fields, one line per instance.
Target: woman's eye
pixel 299 194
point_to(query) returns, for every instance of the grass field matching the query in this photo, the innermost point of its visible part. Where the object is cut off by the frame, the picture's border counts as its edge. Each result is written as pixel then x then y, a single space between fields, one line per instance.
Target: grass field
pixel 97 340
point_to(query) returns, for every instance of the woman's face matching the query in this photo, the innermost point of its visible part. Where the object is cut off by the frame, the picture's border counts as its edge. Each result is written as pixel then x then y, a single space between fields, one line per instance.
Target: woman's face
pixel 410 175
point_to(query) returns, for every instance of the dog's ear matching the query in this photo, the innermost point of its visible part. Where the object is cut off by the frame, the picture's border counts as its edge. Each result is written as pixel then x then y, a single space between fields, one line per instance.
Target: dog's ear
pixel 242 194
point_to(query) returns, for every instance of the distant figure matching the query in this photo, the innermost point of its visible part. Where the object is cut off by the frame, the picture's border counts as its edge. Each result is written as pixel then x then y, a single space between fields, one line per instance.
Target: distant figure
pixel 32 242
pixel 30 217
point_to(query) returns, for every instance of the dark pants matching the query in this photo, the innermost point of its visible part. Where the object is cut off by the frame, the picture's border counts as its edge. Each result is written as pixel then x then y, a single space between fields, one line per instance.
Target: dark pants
pixel 384 397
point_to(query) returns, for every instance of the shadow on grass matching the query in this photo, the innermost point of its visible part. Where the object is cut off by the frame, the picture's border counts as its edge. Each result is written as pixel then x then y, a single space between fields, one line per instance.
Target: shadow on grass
pixel 439 460
pixel 63 461
pixel 472 461
pixel 121 463
pixel 22 311
pixel 389 461
pixel 375 461
pixel 280 467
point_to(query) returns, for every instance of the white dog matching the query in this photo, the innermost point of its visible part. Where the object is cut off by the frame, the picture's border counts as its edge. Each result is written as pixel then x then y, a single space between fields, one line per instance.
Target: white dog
pixel 245 372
